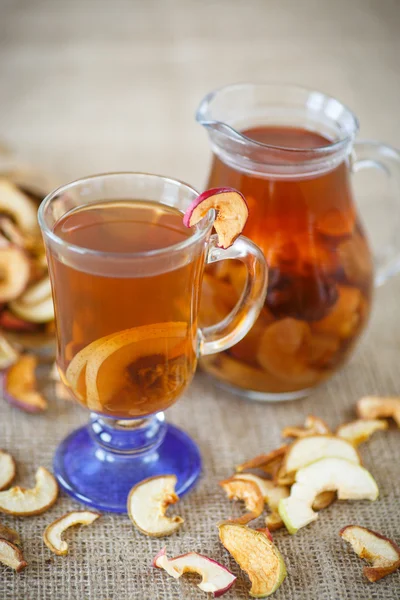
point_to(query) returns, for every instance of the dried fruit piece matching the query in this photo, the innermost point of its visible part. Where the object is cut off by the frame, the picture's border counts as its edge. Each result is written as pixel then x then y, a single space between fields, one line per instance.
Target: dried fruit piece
pixel 35 501
pixel 21 208
pixel 14 272
pixel 350 480
pixel 7 469
pixel 231 213
pixel 238 488
pixel 53 532
pixel 216 579
pixel 9 534
pixel 344 317
pixel 148 502
pixel 256 555
pixel 269 463
pixel 312 426
pixel 20 385
pixel 10 322
pixel 380 551
pixel 309 449
pixel 376 407
pixel 12 556
pixel 8 354
pixel 359 431
pixel 323 500
pixel 11 232
pixel 36 304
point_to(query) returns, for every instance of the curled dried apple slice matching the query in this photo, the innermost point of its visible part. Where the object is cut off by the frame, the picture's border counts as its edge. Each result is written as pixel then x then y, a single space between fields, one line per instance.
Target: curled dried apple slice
pixel 8 354
pixel 375 407
pixel 216 579
pixel 269 463
pixel 231 213
pixel 21 208
pixel 53 532
pixel 350 480
pixel 107 366
pixel 11 556
pixel 272 495
pixel 21 502
pixel 256 555
pixel 15 272
pixel 7 469
pixel 309 449
pixel 36 304
pixel 380 551
pixel 147 505
pixel 312 426
pixel 9 534
pixel 359 431
pixel 20 385
pixel 238 488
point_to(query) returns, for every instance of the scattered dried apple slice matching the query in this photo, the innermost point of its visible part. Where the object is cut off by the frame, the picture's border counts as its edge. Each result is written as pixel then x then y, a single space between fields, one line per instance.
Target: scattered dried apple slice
pixel 21 208
pixel 147 505
pixel 256 555
pixel 107 365
pixel 231 213
pixel 7 469
pixel 36 304
pixel 15 271
pixel 359 431
pixel 238 488
pixel 53 532
pixel 35 501
pixel 350 480
pixel 19 385
pixel 380 551
pixel 12 556
pixel 309 449
pixel 10 322
pixel 9 534
pixel 269 463
pixel 216 579
pixel 312 426
pixel 375 407
pixel 8 354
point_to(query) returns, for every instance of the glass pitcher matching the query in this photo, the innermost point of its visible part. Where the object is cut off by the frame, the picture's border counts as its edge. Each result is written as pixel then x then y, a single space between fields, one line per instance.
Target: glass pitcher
pixel 290 152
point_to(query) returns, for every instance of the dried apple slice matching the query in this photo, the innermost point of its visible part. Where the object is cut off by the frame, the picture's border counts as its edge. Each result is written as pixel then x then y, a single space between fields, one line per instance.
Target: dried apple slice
pixel 375 407
pixel 359 431
pixel 238 488
pixel 35 501
pixel 53 532
pixel 269 463
pixel 256 555
pixel 9 534
pixel 19 385
pixel 323 500
pixel 147 505
pixel 231 213
pixel 11 232
pixel 380 551
pixel 312 426
pixel 11 556
pixel 216 579
pixel 350 480
pixel 107 366
pixel 8 354
pixel 36 304
pixel 21 208
pixel 7 469
pixel 309 449
pixel 10 322
pixel 15 272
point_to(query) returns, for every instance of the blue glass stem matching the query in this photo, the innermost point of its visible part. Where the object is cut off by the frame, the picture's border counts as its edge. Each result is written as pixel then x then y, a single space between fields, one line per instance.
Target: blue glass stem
pixel 129 436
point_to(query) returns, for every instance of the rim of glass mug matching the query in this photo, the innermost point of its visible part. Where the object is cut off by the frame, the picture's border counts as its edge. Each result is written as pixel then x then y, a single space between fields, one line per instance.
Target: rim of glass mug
pixel 228 110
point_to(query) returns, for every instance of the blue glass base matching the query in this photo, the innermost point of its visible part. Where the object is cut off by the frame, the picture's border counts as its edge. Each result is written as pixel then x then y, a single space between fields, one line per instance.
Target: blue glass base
pixel 101 478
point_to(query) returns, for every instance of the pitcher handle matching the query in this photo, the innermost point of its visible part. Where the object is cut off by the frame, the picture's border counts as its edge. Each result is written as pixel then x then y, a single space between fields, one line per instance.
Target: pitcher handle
pixel 370 154
pixel 240 320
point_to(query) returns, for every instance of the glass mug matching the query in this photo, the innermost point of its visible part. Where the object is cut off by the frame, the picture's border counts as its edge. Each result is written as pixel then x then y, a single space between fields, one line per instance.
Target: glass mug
pixel 126 278
pixel 290 152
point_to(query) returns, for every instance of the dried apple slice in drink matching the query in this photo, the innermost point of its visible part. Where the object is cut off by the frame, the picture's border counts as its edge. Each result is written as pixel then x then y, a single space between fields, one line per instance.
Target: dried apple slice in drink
pixel 11 556
pixel 256 555
pixel 374 407
pixel 53 532
pixel 7 469
pixel 21 502
pixel 249 491
pixel 107 367
pixel 20 385
pixel 350 480
pixel 231 213
pixel 216 579
pixel 359 431
pixel 380 551
pixel 345 316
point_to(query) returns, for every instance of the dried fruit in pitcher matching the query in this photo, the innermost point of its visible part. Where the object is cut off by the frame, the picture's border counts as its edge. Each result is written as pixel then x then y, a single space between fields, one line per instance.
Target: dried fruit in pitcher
pixel 256 555
pixel 216 579
pixel 52 536
pixel 380 551
pixel 21 502
pixel 11 556
pixel 7 469
pixel 231 213
pixel 359 431
pixel 238 488
pixel 376 407
pixel 147 505
pixel 345 316
pixel 350 480
pixel 20 385
pixel 15 272
pixel 312 426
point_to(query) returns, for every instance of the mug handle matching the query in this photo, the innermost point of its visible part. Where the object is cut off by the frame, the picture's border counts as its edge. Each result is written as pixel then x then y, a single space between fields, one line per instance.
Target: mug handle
pixel 241 319
pixel 374 155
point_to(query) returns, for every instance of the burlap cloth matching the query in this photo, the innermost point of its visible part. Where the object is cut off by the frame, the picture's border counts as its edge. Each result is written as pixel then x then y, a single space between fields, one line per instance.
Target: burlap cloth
pixel 111 561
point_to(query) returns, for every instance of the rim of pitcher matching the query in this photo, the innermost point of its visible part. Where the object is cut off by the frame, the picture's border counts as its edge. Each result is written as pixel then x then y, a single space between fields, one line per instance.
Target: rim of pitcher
pixel 201 116
pixel 201 229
